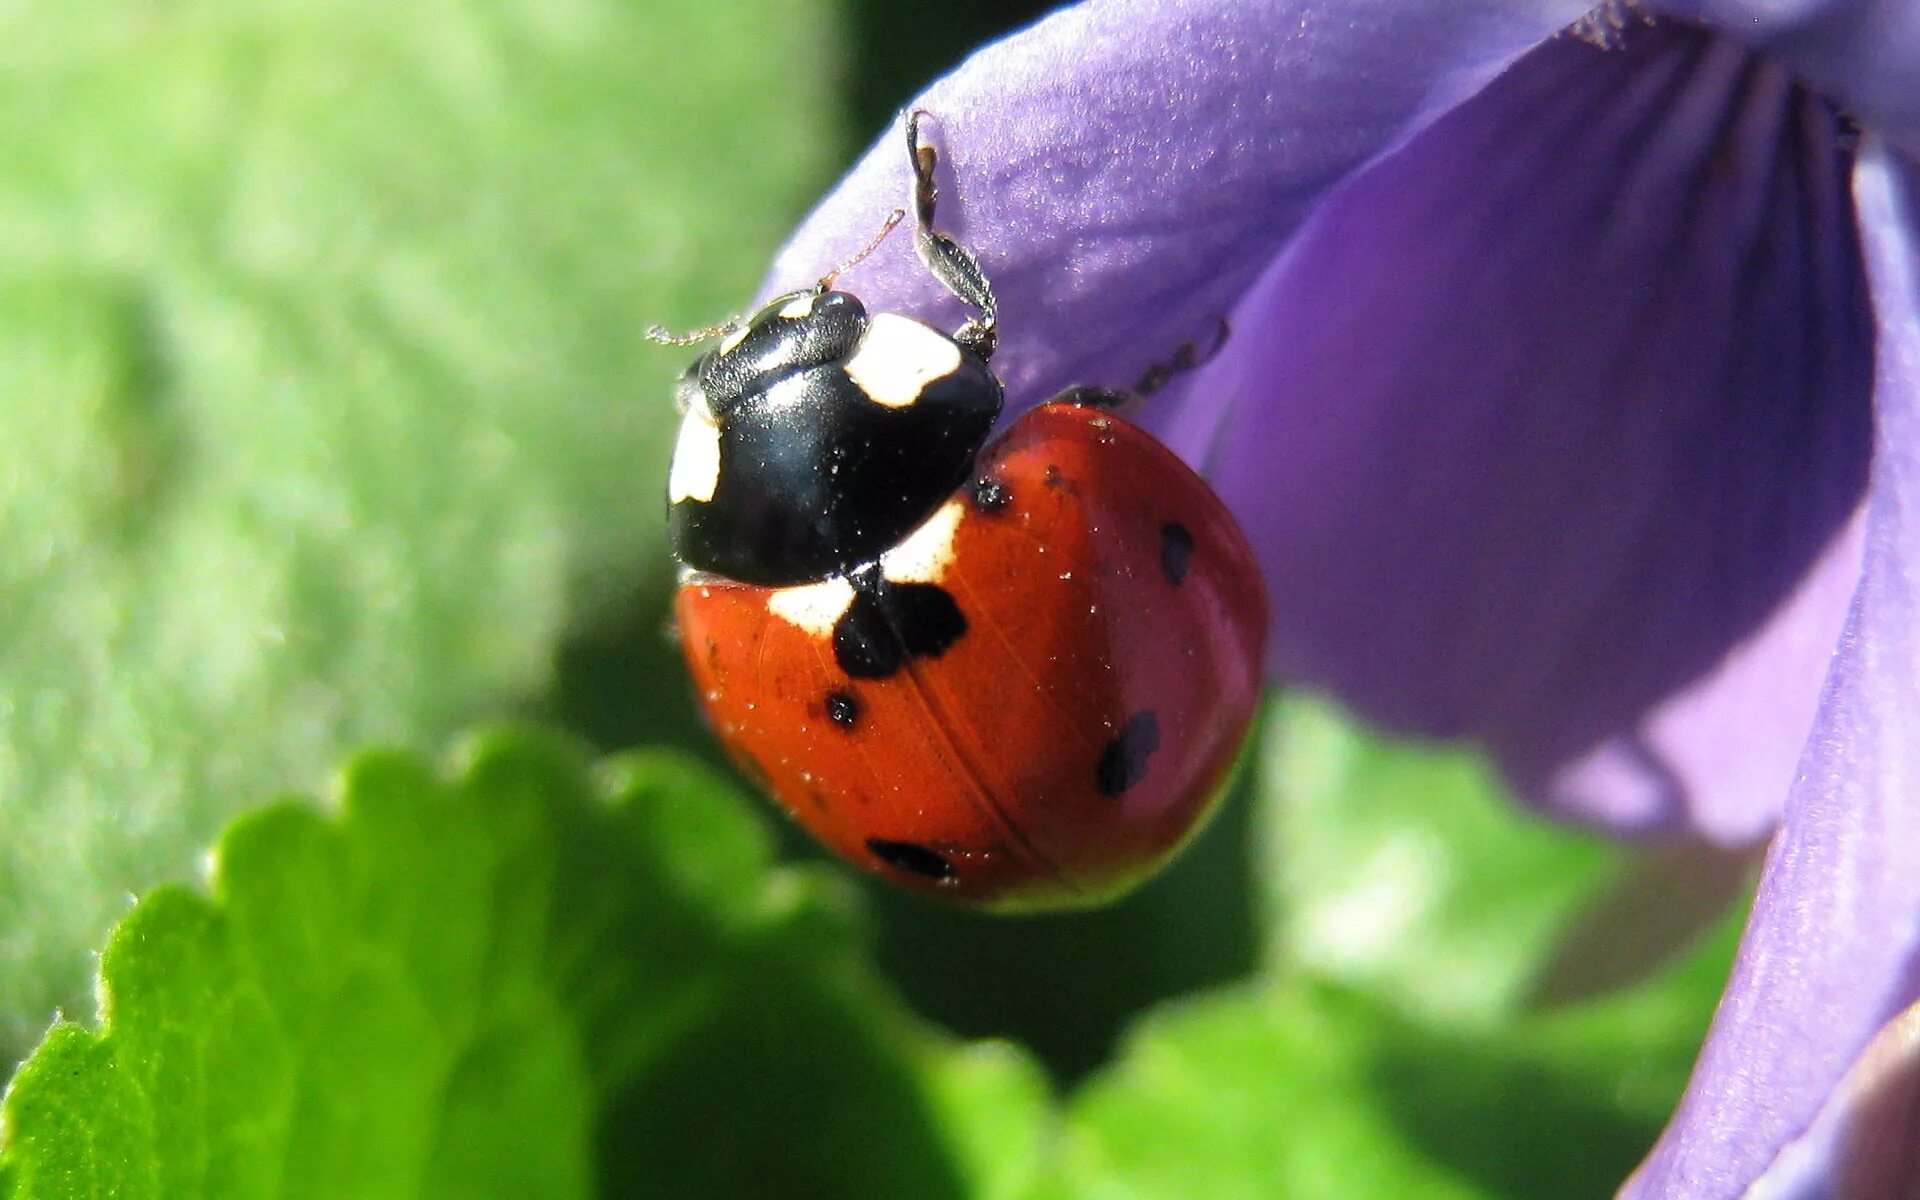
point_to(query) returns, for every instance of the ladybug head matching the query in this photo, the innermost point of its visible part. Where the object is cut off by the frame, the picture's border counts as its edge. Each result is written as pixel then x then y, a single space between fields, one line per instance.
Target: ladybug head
pixel 794 332
pixel 815 437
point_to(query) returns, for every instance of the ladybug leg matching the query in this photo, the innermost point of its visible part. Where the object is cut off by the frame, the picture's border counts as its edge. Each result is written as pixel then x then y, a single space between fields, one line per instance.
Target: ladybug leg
pixel 1155 377
pixel 1108 399
pixel 951 263
pixel 1186 358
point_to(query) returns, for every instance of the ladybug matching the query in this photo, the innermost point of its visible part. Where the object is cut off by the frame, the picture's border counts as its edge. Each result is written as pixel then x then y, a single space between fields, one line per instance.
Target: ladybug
pixel 1015 673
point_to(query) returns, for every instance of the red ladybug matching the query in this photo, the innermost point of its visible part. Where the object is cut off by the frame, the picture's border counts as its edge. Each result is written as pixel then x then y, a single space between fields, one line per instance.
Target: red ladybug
pixel 1017 676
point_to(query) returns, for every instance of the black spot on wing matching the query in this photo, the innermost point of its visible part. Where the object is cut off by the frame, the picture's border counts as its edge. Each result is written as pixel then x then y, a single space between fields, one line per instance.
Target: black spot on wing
pixel 927 616
pixel 912 858
pixel 1124 761
pixel 990 496
pixel 843 708
pixel 888 623
pixel 1176 552
pixel 863 644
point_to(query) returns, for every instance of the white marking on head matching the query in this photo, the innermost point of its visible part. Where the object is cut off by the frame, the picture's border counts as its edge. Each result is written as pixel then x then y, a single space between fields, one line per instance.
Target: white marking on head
pixel 898 357
pixel 927 552
pixel 814 607
pixel 696 458
pixel 800 307
pixel 732 341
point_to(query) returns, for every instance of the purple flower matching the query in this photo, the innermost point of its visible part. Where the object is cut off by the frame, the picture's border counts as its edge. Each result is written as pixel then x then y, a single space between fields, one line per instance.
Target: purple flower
pixel 1572 402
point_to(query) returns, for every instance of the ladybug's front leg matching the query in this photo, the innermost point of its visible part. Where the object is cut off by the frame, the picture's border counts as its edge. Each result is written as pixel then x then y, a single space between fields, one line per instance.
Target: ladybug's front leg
pixel 951 263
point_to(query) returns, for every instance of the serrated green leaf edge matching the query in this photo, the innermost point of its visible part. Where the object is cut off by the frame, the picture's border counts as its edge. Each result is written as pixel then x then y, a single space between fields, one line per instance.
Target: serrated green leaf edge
pixel 320 1019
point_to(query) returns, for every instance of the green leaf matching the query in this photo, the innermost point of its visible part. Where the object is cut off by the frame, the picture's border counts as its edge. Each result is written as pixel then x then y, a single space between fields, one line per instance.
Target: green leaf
pixel 1247 1094
pixel 1409 872
pixel 519 983
pixel 1398 1045
pixel 1303 1091
pixel 326 406
pixel 991 1102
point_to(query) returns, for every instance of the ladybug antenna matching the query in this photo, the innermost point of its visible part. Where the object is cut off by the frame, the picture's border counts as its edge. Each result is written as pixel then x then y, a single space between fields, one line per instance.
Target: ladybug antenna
pixel 951 263
pixel 666 337
pixel 893 219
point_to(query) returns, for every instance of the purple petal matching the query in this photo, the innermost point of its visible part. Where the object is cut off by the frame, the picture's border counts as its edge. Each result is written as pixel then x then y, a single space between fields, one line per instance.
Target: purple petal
pixel 1727 746
pixel 1126 170
pixel 1865 53
pixel 1546 414
pixel 1832 950
pixel 1862 1145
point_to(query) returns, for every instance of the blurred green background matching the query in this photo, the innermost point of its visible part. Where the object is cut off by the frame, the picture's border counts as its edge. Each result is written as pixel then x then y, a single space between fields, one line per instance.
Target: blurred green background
pixel 327 423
